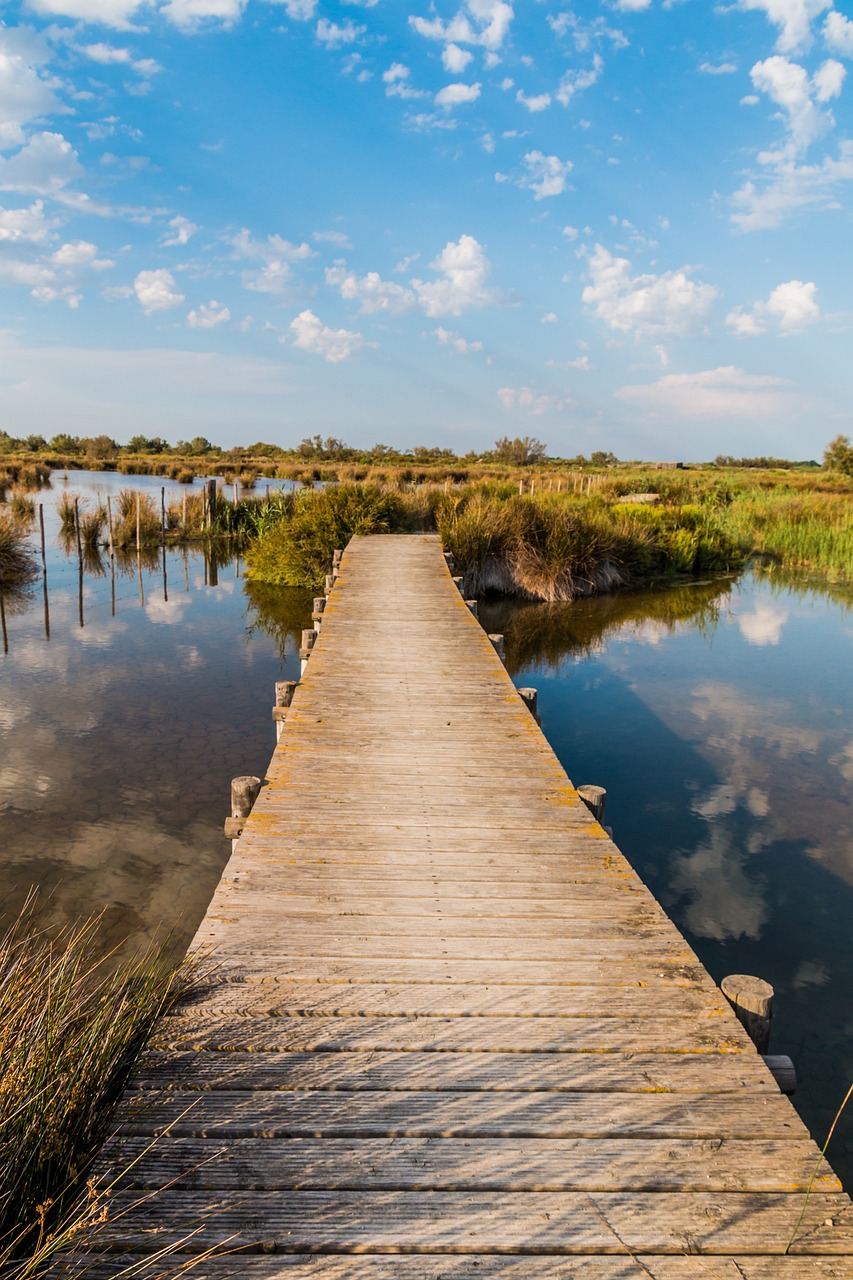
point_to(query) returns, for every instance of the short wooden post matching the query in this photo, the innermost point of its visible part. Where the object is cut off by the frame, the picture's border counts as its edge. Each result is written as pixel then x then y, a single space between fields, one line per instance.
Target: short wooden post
pixel 184 512
pixel 163 512
pixel 211 502
pixel 330 582
pixel 448 560
pixel 520 487
pixel 337 557
pixel 529 698
pixel 458 583
pixel 309 638
pixel 317 611
pixel 752 1000
pixel 472 605
pixel 284 691
pixel 595 799
pixel 77 531
pixel 498 645
pixel 138 522
pixel 41 527
pixel 244 792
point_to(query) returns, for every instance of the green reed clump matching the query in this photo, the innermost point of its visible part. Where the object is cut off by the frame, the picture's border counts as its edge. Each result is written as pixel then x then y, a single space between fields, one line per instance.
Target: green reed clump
pixel 17 559
pixel 65 507
pixel 297 549
pixel 71 1029
pixel 124 518
pixel 22 507
pixel 797 529
pixel 92 525
pixel 185 475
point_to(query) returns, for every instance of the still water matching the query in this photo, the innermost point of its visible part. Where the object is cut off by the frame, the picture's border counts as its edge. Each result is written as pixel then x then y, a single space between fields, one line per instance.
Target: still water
pixel 718 715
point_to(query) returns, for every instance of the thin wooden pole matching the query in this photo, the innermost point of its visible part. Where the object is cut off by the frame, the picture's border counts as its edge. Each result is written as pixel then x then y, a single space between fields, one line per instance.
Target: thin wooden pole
pixel 138 522
pixel 41 527
pixel 112 585
pixel 184 513
pixel 163 513
pixel 46 607
pixel 80 593
pixel 110 526
pixel 165 582
pixel 77 530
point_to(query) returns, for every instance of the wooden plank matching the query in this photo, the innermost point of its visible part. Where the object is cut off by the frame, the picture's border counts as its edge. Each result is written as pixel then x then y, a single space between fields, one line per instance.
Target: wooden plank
pixel 307 1114
pixel 541 1223
pixel 411 1164
pixel 707 1073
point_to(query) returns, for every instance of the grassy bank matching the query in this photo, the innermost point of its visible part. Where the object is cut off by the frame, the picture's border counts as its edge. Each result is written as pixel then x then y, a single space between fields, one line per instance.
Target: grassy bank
pixel 564 543
pixel 71 1030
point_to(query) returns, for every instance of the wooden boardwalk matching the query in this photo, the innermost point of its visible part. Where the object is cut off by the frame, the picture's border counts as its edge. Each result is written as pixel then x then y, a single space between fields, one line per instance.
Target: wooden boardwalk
pixel 453 1036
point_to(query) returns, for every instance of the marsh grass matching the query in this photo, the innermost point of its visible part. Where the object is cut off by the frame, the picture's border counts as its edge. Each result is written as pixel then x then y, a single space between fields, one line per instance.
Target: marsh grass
pixel 72 1025
pixel 22 507
pixel 17 560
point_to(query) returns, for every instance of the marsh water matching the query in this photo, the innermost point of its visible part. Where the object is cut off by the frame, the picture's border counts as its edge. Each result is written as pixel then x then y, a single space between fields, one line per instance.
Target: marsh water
pixel 718 715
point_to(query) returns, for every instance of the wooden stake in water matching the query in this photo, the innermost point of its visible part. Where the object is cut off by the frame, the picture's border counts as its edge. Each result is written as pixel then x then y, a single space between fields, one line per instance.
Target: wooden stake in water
pixel 112 585
pixel 138 525
pixel 41 527
pixel 184 513
pixel 110 526
pixel 77 530
pixel 165 583
pixel 46 607
pixel 80 593
pixel 163 513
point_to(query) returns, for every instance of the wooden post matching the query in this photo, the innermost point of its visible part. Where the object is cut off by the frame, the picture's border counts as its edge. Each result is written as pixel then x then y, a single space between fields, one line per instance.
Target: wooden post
pixel 235 495
pixel 472 605
pixel 41 527
pixel 529 698
pixel 77 531
pixel 520 487
pixel 752 1000
pixel 782 1070
pixel 330 582
pixel 244 792
pixel 184 512
pixel 211 502
pixel 110 526
pixel 203 509
pixel 498 645
pixel 559 484
pixel 138 522
pixel 308 641
pixel 317 612
pixel 595 799
pixel 284 691
pixel 337 557
pixel 458 584
pixel 268 495
pixel 448 560
pixel 163 513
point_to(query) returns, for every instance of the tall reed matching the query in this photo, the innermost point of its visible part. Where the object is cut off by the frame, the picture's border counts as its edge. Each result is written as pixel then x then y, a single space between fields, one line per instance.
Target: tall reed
pixel 17 559
pixel 72 1025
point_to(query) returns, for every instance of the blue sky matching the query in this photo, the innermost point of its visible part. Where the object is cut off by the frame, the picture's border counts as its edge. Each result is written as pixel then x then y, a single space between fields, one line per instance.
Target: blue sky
pixel 622 226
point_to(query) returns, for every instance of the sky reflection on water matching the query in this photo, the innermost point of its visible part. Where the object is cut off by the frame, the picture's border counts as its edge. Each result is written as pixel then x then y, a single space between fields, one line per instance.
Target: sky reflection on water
pixel 719 717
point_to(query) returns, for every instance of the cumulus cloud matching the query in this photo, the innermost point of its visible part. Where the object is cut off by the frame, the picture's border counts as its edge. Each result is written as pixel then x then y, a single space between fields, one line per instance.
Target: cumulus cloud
pixel 455 95
pixel 80 253
pixel 533 402
pixel 182 230
pixel 454 59
pixel 448 338
pixel 791 305
pixel 726 392
pixel 647 305
pixel 188 14
pixel 397 80
pixel 334 34
pixel 764 204
pixel 586 33
pixel 838 34
pixel 27 225
pixel 208 315
pixel 111 55
pixel 478 22
pixel 575 81
pixel 792 17
pixel 274 254
pixel 537 103
pixel 370 291
pixel 299 10
pixel 45 165
pixel 463 283
pixel 544 175
pixel 789 85
pixel 25 93
pixel 334 345
pixel 109 13
pixel 156 291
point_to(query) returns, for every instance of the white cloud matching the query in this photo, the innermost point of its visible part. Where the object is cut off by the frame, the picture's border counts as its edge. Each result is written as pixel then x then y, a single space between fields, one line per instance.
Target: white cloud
pixel 370 291
pixel 550 317
pixel 792 17
pixel 455 340
pixel 111 13
pixel 43 167
pixel 647 305
pixel 764 625
pixel 397 82
pixel 535 403
pixel 156 291
pixel 478 22
pixel 789 86
pixel 534 104
pixel 718 69
pixel 333 345
pixel 337 238
pixel 792 305
pixel 573 81
pixel 335 34
pixel 454 59
pixel 584 33
pixel 726 392
pixel 25 94
pixel 110 55
pixel 275 256
pixel 633 6
pixel 188 14
pixel 26 225
pixel 182 230
pixel 545 176
pixel 762 205
pixel 299 10
pixel 838 34
pixel 454 95
pixel 208 315
pixel 465 271
pixel 580 362
pixel 80 253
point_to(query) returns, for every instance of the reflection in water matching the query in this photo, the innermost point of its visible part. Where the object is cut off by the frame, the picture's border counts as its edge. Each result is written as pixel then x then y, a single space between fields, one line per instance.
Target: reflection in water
pixel 718 718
